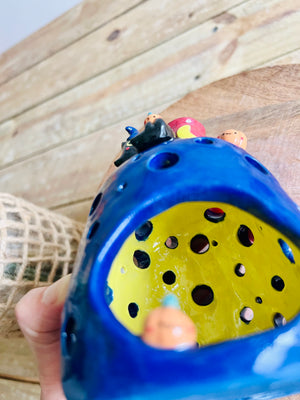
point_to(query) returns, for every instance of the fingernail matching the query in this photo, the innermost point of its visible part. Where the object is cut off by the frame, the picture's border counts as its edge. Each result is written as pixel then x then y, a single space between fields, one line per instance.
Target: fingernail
pixel 56 293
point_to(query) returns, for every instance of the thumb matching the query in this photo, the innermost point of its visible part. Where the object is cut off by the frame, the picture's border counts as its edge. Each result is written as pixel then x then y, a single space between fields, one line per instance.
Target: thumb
pixel 39 317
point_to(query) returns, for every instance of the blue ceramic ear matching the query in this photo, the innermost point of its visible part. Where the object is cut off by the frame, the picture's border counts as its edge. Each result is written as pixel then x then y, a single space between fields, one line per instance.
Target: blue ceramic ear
pixel 104 359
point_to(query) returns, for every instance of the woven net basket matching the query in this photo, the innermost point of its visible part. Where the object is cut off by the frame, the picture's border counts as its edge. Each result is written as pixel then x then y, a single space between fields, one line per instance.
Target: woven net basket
pixel 37 247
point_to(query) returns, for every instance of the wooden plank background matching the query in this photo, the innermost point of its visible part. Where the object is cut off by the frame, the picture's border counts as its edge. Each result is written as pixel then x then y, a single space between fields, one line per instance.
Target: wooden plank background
pixel 93 82
pixel 68 91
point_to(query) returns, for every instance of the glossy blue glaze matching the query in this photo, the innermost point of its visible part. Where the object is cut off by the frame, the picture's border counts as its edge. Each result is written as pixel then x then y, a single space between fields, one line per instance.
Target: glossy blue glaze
pixel 101 359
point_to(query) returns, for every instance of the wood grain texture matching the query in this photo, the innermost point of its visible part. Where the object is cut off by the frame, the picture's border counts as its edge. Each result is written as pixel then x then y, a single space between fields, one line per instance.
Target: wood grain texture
pixel 105 48
pixel 70 173
pixel 79 210
pixel 292 57
pixel 160 75
pixel 16 359
pixel 60 33
pixel 10 390
pixel 264 103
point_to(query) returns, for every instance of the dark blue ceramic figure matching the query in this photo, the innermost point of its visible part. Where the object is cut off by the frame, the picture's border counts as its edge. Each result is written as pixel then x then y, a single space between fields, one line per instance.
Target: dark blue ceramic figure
pixel 201 220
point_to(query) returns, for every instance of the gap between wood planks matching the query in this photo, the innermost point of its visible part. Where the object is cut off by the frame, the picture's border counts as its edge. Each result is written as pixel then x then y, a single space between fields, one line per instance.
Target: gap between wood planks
pixel 18 378
pixel 57 69
pixel 131 118
pixel 257 121
pixel 58 178
pixel 41 53
pixel 89 120
pixel 274 61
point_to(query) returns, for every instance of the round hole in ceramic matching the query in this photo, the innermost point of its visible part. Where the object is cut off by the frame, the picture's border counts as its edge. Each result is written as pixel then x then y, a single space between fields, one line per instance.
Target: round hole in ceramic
pixel 169 277
pixel 163 161
pixel 256 164
pixel 133 310
pixel 143 231
pixel 240 270
pixel 277 283
pixel 171 242
pixel 247 315
pixel 203 295
pixel 245 236
pixel 93 229
pixel 214 214
pixel 95 203
pixel 141 259
pixel 199 244
pixel 279 320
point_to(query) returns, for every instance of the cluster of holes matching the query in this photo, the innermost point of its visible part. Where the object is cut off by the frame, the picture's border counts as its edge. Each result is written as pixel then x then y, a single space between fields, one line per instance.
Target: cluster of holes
pixel 165 160
pixel 247 313
pixel 203 295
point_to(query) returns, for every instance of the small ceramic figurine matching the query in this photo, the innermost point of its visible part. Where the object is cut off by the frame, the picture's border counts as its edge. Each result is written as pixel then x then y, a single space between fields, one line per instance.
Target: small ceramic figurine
pixel 185 128
pixel 151 118
pixel 167 327
pixel 156 131
pixel 235 137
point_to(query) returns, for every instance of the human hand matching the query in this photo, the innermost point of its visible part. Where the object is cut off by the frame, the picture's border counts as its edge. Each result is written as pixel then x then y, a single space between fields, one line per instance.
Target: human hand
pixel 39 317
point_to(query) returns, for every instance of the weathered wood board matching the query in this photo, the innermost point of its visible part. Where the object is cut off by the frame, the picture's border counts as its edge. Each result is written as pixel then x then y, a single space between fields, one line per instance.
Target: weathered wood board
pixel 23 365
pixel 73 25
pixel 105 48
pixel 264 103
pixel 241 39
pixel 12 390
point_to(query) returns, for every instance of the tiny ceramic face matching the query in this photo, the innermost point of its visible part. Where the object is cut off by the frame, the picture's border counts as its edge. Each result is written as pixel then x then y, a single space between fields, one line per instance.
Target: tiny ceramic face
pixel 151 118
pixel 235 137
pixel 169 328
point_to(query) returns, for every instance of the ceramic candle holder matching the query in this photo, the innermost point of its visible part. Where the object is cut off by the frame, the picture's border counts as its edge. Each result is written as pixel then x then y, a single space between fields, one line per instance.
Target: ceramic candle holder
pixel 201 219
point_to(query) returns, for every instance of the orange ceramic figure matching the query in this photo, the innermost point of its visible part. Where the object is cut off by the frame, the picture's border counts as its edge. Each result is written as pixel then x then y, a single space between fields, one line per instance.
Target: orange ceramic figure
pixel 235 137
pixel 151 118
pixel 167 327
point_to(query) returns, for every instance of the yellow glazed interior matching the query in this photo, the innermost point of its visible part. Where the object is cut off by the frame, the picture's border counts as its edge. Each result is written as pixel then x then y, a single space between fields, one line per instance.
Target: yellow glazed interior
pixel 138 290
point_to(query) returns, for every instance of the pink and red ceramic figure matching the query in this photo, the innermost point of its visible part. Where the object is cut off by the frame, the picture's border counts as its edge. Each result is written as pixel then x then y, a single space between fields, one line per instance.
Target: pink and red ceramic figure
pixel 187 128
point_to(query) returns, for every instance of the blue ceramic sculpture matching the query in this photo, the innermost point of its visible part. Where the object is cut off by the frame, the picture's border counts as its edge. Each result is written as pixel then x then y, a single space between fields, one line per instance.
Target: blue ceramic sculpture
pixel 203 220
